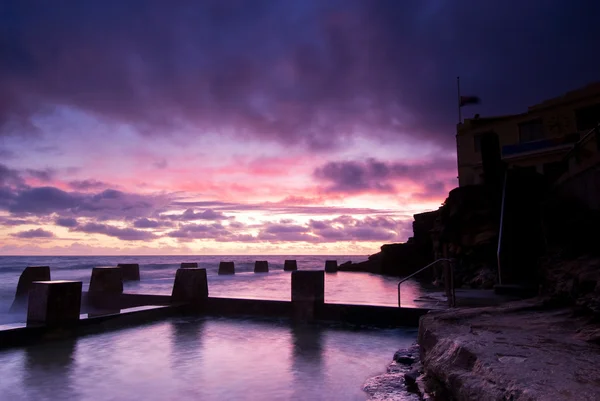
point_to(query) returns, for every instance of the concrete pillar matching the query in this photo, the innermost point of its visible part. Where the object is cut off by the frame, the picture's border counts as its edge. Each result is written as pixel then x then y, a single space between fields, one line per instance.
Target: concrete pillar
pixel 106 287
pixel 331 266
pixel 106 280
pixel 190 286
pixel 29 275
pixel 54 303
pixel 290 266
pixel 226 268
pixel 189 265
pixel 308 294
pixel 131 271
pixel 261 266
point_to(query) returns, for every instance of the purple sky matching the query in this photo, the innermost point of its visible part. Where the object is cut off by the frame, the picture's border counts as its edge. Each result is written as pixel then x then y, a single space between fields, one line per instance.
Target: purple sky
pixel 215 126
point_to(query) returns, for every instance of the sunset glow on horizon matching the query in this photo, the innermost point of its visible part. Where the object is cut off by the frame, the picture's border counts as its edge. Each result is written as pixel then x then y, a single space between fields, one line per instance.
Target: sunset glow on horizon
pixel 267 127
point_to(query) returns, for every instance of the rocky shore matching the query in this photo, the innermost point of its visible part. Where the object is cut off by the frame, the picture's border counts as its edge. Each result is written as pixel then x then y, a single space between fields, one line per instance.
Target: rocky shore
pixel 527 350
pixel 399 383
pixel 521 351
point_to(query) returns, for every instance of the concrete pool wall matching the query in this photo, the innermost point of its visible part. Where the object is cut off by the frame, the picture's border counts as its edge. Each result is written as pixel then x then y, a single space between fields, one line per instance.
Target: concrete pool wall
pixel 112 310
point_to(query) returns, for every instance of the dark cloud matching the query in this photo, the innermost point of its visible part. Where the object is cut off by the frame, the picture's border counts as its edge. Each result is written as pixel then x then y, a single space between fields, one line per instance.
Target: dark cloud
pixel 278 232
pixel 347 228
pixel 376 176
pixel 298 72
pixel 281 208
pixel 45 175
pixel 214 231
pixel 106 205
pixel 10 177
pixel 342 228
pixel 149 223
pixel 6 154
pixel 66 222
pixel 44 200
pixel 191 215
pixel 8 222
pixel 85 185
pixel 236 225
pixel 160 164
pixel 124 234
pixel 434 190
pixel 284 229
pixel 37 233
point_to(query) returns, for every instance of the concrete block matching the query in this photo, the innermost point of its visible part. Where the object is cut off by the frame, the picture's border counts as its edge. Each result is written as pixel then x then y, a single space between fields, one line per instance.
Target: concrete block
pixel 290 266
pixel 190 286
pixel 331 266
pixel 189 265
pixel 106 280
pixel 131 271
pixel 54 303
pixel 308 285
pixel 29 275
pixel 226 268
pixel 261 266
pixel 308 294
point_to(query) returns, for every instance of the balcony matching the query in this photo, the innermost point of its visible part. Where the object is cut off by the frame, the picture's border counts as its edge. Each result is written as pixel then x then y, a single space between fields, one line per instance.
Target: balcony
pixel 545 145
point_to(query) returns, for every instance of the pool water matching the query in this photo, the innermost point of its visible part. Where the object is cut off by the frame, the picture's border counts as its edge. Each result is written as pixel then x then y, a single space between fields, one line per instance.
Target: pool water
pixel 204 359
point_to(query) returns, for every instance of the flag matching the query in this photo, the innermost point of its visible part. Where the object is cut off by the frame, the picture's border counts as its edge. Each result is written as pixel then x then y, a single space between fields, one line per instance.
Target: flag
pixel 464 100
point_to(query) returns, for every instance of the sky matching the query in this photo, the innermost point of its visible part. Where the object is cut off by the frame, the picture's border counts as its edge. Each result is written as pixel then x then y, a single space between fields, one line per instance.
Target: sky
pixel 257 127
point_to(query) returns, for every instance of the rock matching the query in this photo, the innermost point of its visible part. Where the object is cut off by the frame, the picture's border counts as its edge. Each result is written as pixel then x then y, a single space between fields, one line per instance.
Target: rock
pixel 388 387
pixel 484 278
pixel 407 356
pixel 402 259
pixel 467 230
pixel 372 265
pixel 519 351
pixel 395 368
pixel 410 378
pixel 404 359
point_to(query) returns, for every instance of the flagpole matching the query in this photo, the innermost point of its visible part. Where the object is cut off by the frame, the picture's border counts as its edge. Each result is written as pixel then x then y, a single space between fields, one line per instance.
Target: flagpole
pixel 459 111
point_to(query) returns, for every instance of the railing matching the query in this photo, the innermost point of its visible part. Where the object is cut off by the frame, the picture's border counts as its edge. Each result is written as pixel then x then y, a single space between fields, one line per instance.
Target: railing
pixel 448 280
pixel 500 248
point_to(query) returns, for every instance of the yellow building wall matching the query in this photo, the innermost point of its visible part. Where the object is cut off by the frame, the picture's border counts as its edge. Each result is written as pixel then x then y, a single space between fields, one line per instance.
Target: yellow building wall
pixel 558 119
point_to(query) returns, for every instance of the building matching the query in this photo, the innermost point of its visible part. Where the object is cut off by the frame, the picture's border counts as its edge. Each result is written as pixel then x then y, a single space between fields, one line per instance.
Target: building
pixel 543 139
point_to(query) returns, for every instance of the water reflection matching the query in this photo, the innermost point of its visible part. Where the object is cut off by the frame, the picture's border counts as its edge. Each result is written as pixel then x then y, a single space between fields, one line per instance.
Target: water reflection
pixel 307 361
pixel 186 341
pixel 186 356
pixel 203 359
pixel 48 371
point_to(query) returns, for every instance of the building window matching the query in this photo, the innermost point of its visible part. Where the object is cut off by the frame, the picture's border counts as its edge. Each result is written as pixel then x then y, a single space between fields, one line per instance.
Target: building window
pixel 587 117
pixel 531 131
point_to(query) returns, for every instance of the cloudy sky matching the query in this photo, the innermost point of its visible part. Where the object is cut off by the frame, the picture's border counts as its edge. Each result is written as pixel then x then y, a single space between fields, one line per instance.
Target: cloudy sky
pixel 256 126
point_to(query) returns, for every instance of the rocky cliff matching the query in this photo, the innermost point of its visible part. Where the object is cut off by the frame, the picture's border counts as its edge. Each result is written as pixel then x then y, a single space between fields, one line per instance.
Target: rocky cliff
pixel 465 227
pixel 467 230
pixel 402 259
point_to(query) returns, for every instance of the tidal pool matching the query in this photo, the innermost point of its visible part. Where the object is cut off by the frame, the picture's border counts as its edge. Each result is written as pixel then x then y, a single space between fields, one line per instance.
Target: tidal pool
pixel 204 359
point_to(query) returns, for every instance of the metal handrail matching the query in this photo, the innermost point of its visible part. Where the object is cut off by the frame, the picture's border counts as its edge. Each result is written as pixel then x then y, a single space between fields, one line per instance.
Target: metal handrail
pixel 420 270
